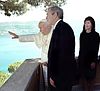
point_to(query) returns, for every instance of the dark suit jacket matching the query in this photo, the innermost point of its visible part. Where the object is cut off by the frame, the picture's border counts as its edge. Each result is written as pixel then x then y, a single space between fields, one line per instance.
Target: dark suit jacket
pixel 61 52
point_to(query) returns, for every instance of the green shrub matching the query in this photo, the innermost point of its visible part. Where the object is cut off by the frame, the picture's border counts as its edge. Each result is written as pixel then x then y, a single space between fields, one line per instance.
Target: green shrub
pixel 13 67
pixel 3 77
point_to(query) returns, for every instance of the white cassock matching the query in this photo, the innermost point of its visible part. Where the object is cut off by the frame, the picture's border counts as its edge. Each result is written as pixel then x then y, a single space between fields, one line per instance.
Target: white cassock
pixel 41 41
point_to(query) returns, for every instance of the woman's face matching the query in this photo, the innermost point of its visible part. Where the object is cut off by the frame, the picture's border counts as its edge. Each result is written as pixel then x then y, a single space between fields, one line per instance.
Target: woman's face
pixel 88 25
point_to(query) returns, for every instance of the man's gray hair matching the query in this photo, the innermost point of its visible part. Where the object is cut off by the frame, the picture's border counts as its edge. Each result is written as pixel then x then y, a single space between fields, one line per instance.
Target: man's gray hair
pixel 58 10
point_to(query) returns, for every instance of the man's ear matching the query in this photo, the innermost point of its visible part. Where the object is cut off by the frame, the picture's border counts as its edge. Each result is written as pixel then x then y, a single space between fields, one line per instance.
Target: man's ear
pixel 54 14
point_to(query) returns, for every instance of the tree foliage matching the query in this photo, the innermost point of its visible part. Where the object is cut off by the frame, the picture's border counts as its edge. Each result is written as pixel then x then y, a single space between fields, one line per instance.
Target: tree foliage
pixel 19 7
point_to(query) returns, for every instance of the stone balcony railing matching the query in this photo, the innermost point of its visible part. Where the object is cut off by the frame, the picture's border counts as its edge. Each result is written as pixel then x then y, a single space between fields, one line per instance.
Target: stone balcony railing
pixel 29 77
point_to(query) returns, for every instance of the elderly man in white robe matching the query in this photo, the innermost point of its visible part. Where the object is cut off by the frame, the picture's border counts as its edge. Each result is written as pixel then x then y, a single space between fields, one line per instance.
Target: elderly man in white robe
pixel 41 39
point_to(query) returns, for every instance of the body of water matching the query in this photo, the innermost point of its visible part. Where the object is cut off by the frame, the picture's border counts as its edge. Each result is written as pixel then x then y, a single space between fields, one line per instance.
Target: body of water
pixel 11 50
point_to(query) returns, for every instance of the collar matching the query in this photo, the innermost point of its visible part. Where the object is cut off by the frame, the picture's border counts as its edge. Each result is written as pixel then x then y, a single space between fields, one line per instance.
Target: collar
pixel 56 23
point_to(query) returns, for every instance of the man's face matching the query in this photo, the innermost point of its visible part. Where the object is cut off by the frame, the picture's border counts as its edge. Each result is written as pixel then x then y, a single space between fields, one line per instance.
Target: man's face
pixel 43 28
pixel 50 17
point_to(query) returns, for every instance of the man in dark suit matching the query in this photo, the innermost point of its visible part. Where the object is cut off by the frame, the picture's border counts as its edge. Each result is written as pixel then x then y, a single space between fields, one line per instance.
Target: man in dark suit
pixel 61 52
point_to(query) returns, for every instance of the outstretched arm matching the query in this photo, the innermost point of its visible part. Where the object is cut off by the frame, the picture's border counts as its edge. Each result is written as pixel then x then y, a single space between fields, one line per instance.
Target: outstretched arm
pixel 14 35
pixel 37 38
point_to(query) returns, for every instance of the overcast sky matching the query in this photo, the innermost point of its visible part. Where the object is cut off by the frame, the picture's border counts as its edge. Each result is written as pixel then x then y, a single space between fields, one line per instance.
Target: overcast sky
pixel 78 9
pixel 74 9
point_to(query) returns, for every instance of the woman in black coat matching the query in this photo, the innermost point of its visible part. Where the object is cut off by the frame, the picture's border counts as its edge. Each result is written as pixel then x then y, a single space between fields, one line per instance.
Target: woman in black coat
pixel 89 46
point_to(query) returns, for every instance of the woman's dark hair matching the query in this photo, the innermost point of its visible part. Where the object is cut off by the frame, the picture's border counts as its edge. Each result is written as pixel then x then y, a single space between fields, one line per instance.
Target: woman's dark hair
pixel 89 18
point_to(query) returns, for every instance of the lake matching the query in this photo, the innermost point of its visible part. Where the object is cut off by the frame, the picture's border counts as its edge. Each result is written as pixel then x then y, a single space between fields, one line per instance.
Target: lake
pixel 11 50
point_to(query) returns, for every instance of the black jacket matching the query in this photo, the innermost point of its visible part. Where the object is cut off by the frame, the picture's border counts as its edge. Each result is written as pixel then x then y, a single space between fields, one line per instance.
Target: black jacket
pixel 89 46
pixel 61 52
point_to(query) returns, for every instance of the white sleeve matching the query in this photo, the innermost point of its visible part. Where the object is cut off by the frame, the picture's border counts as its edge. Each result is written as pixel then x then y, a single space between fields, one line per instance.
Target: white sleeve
pixel 37 38
pixel 26 38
